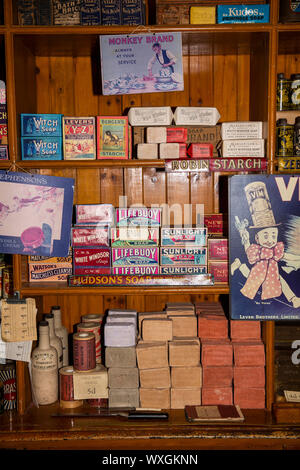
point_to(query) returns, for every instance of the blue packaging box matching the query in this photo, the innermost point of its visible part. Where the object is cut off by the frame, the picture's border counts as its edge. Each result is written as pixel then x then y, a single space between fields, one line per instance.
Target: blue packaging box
pixel 37 125
pixel 243 13
pixel 41 148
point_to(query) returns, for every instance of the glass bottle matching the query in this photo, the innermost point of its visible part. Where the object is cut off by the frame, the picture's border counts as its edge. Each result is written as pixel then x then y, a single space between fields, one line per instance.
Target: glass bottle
pixel 54 339
pixel 62 332
pixel 44 368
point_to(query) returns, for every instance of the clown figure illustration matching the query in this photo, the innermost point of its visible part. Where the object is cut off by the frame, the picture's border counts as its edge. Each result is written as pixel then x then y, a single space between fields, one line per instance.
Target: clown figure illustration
pixel 266 255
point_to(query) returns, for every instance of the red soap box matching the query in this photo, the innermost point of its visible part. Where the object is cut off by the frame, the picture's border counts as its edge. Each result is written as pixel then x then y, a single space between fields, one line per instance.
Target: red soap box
pixel 200 150
pixel 91 257
pixel 219 270
pixel 217 396
pixel 217 249
pixel 83 237
pixel 249 353
pixel 216 352
pixel 177 135
pixel 214 223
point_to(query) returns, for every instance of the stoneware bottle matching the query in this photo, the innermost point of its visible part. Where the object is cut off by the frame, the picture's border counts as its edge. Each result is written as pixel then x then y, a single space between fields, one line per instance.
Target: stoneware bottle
pixel 62 332
pixel 44 368
pixel 55 341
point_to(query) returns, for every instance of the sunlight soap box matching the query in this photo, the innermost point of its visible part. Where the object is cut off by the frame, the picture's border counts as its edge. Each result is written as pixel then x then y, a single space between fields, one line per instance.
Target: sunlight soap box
pixel 182 236
pixel 184 256
pixel 79 138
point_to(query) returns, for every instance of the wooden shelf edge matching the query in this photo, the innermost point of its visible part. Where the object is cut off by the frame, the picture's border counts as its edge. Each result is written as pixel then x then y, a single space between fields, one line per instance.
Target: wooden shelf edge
pixel 123 29
pixel 57 289
pixel 130 163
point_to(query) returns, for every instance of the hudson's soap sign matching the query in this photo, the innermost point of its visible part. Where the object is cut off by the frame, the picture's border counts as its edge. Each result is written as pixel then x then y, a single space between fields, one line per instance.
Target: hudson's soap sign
pixel 141 63
pixel 264 247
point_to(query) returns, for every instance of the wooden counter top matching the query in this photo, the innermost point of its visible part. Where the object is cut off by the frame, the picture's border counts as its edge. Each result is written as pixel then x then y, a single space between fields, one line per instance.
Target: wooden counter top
pixel 37 429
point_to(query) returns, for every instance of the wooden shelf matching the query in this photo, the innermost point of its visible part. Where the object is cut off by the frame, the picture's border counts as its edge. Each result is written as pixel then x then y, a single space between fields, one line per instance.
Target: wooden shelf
pixel 134 163
pixel 54 288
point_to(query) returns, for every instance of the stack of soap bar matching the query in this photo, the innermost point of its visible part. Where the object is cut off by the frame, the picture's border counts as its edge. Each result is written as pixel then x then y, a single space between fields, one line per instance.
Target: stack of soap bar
pixel 156 330
pixel 199 116
pixel 184 355
pixel 184 320
pixel 212 325
pixel 216 354
pixel 120 333
pixel 249 364
pixel 242 139
pixel 186 372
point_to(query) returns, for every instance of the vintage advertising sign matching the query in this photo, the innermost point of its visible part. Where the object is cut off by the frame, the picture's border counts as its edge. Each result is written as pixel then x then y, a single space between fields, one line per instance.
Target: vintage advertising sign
pixel 141 63
pixel 141 281
pixel 35 214
pixel 216 164
pixel 264 247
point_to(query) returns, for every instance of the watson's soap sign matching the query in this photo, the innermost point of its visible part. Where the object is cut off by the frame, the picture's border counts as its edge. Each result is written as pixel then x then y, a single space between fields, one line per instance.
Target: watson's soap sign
pixel 141 63
pixel 264 243
pixel 35 214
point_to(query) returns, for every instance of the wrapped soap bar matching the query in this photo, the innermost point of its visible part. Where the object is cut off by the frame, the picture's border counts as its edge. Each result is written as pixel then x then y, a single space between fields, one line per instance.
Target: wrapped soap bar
pixel 156 135
pixel 147 151
pixel 172 150
pixel 242 130
pixel 196 116
pixel 150 116
pixel 119 334
pixel 90 214
pixel 132 236
pixel 200 150
pixel 90 236
pixel 243 148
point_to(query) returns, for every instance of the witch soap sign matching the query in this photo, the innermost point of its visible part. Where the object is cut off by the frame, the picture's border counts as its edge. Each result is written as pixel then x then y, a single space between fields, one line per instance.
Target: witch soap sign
pixel 264 247
pixel 141 63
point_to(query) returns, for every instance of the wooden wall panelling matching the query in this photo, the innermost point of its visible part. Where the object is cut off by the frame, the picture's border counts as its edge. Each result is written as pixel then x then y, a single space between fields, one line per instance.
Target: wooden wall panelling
pixel 133 186
pixel 88 186
pixel 225 98
pixel 135 302
pixel 178 197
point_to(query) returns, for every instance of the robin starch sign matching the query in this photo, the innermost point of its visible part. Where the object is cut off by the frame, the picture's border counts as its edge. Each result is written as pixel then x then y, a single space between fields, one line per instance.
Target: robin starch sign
pixel 264 247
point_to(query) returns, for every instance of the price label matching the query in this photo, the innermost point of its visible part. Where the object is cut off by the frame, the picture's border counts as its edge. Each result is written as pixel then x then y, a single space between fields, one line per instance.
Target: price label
pixel 89 385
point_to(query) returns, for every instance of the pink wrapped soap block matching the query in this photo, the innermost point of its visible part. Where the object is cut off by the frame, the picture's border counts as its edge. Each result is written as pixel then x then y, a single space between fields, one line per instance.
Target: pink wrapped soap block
pixel 252 398
pixel 217 376
pixel 249 353
pixel 216 352
pixel 249 376
pixel 212 326
pixel 217 396
pixel 245 330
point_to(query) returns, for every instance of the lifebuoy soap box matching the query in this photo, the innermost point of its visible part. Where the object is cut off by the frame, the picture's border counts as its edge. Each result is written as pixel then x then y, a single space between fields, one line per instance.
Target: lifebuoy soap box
pixel 243 13
pixel 138 216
